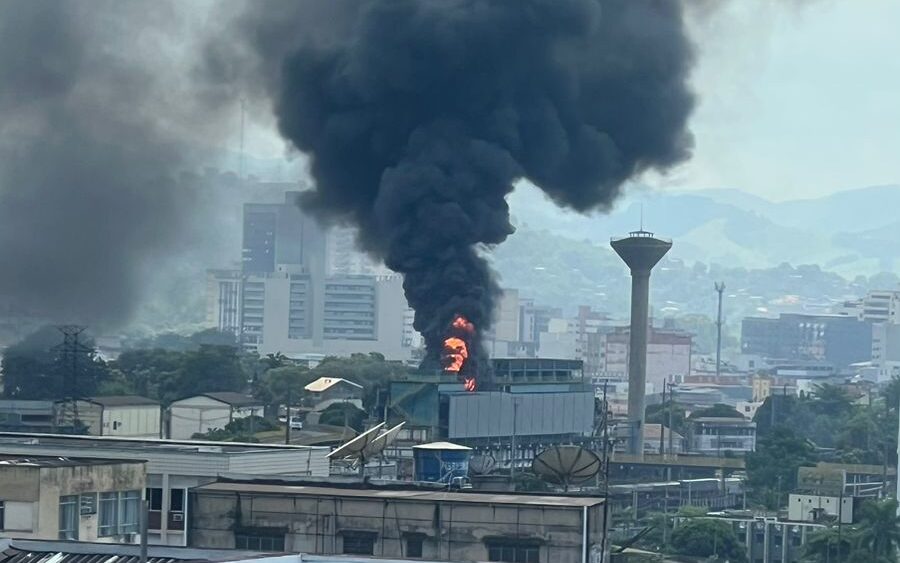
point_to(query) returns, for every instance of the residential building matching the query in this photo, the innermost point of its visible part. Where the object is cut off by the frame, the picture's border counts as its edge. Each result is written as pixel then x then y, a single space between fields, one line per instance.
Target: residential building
pixel 128 416
pixel 367 519
pixel 76 498
pixel 886 350
pixel 655 435
pixel 840 340
pixel 668 355
pixel 201 413
pixel 344 258
pixel 718 435
pixel 326 391
pixel 292 313
pixel 173 467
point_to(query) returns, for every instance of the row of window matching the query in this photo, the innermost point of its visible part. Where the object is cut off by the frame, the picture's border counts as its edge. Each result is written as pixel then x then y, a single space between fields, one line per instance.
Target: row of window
pixel 119 513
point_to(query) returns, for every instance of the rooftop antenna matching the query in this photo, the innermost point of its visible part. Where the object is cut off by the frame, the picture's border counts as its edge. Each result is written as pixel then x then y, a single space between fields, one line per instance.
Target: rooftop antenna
pixel 642 216
pixel 566 465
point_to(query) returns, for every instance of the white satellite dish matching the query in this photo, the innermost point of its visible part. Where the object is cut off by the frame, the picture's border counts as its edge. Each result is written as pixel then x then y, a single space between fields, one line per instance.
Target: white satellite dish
pixel 355 447
pixel 383 440
pixel 566 465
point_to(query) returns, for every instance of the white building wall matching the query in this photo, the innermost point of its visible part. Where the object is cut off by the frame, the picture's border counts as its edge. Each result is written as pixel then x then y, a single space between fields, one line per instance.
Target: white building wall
pixel 132 421
pixel 197 415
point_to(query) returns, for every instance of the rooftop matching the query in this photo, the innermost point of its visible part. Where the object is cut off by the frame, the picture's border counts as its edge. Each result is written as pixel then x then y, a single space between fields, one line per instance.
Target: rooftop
pixel 46 551
pixel 100 443
pixel 442 446
pixel 233 399
pixel 123 400
pixel 411 493
pixel 7 460
pixel 325 383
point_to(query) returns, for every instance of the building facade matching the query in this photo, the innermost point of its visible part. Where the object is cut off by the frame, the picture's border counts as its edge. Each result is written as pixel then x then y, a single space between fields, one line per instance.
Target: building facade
pixel 173 467
pixel 397 523
pixel 60 498
pixel 128 416
pixel 209 411
pixel 718 435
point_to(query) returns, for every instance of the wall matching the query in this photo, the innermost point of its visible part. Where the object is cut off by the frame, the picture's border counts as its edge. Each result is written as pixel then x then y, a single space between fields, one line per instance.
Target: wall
pixel 132 421
pixel 197 415
pixel 35 493
pixel 486 414
pixel 450 531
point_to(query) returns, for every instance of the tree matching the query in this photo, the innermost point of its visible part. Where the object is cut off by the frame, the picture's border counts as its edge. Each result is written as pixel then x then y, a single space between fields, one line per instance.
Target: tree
pixel 343 414
pixel 717 411
pixel 828 544
pixel 772 468
pixel 38 368
pixel 275 385
pixel 659 414
pixel 879 528
pixel 371 371
pixel 704 537
pixel 238 430
pixel 831 400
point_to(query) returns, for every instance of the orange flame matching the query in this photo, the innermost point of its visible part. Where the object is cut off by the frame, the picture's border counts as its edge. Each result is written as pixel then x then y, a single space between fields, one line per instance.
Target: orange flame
pixel 457 352
pixel 462 323
pixel 469 384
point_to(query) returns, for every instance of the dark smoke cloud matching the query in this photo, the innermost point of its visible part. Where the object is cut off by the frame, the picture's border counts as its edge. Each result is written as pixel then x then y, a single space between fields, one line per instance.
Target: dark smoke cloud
pixel 93 114
pixel 418 117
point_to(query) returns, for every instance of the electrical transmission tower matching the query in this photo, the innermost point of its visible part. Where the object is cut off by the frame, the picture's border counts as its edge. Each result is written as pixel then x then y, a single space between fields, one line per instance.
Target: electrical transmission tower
pixel 720 287
pixel 68 355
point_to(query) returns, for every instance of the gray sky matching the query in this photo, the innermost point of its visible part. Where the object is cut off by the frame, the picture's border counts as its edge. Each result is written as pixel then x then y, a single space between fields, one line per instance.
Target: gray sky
pixel 797 99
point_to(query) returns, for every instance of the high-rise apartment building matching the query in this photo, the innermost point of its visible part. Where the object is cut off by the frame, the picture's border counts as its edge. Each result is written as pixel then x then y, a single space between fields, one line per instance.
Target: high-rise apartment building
pixel 281 233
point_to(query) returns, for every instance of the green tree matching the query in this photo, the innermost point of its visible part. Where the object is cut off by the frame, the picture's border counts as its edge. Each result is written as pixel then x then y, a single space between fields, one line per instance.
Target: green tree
pixel 879 529
pixel 718 411
pixel 829 544
pixel 274 385
pixel 239 430
pixel 343 414
pixel 659 414
pixel 371 371
pixel 772 468
pixel 38 368
pixel 704 537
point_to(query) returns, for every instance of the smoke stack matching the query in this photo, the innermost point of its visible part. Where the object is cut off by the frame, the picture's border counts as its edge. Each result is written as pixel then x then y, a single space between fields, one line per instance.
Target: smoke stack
pixel 640 250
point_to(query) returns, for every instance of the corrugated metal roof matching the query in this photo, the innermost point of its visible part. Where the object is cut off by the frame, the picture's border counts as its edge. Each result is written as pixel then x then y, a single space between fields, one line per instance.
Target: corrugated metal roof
pixel 14 555
pixel 123 400
pixel 234 399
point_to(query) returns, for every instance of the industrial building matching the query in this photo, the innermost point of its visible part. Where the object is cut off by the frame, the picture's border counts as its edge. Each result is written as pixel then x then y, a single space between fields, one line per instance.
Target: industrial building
pixel 535 403
pixel 173 467
pixel 768 539
pixel 128 416
pixel 70 498
pixel 719 435
pixel 390 521
pixel 209 411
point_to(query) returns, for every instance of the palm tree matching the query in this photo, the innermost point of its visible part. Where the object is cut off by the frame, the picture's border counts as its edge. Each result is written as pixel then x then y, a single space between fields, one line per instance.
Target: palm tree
pixel 829 544
pixel 879 528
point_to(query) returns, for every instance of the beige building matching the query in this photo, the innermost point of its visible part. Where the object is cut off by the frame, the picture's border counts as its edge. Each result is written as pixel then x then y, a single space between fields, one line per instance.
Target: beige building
pixel 410 523
pixel 82 499
pixel 127 416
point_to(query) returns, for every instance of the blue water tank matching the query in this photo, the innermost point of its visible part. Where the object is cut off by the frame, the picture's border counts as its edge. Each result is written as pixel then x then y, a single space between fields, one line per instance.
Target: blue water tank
pixel 441 462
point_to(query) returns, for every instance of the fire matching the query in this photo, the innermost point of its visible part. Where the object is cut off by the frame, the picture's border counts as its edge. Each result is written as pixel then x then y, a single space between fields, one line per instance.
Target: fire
pixel 456 352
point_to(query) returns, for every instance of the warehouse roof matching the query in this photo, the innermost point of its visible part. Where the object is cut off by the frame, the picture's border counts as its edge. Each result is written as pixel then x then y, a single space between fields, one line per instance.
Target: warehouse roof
pixel 48 551
pixel 325 383
pixel 123 400
pixel 411 494
pixel 234 399
pixel 7 460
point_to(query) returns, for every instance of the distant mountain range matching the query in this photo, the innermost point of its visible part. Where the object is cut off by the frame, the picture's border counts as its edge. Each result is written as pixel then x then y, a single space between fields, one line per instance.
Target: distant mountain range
pixel 853 232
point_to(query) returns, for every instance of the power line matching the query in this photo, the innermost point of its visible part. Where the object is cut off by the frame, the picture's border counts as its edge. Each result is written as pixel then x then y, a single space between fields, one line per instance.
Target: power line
pixel 68 354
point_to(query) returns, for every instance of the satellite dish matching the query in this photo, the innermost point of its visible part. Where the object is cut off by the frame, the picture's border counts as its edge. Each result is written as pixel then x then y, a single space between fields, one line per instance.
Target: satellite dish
pixel 566 465
pixel 355 447
pixel 383 440
pixel 482 464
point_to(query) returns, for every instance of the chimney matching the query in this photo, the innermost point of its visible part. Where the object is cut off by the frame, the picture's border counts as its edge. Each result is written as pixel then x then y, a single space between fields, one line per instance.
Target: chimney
pixel 640 250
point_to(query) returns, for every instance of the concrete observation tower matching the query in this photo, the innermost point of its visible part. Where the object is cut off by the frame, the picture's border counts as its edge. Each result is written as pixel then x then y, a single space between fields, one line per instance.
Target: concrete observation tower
pixel 641 251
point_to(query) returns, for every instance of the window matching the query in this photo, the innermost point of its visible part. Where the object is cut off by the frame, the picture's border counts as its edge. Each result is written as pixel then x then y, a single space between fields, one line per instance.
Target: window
pixel 263 540
pixel 119 513
pixel 359 543
pixel 513 551
pixel 414 547
pixel 176 500
pixel 2 514
pixel 68 517
pixel 154 496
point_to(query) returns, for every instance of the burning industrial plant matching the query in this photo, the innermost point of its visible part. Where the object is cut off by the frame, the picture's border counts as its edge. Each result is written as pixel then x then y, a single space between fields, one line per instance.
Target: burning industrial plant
pixel 419 118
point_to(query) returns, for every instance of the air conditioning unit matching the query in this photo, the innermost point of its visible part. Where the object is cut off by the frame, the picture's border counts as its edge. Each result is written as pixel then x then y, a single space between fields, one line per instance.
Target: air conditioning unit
pixel 177 517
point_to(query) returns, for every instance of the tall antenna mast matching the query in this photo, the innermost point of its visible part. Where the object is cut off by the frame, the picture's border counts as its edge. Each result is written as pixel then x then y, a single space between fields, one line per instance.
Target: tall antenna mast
pixel 642 216
pixel 720 287
pixel 243 111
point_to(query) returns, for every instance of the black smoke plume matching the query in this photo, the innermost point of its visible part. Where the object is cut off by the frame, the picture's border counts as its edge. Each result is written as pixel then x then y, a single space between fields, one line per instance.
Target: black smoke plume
pixel 94 106
pixel 418 118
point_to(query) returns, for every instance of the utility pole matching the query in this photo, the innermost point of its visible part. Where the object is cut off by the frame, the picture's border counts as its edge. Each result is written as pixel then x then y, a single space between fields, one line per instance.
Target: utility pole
pixel 512 444
pixel 662 427
pixel 287 417
pixel 720 288
pixel 241 169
